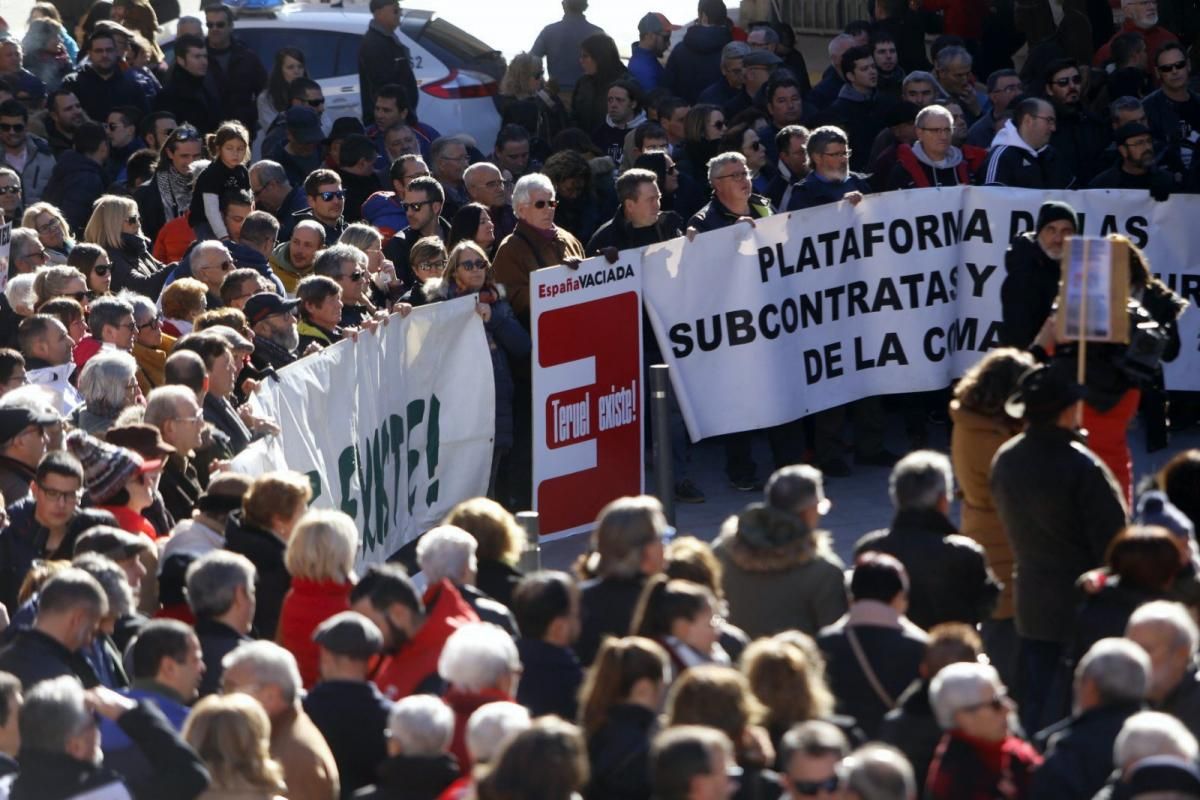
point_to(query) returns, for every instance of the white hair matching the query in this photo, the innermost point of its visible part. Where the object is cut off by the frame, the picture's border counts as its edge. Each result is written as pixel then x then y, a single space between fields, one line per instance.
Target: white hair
pixel 840 44
pixel 104 380
pixel 271 664
pixel 716 162
pixel 1119 669
pixel 477 656
pixel 879 772
pixel 422 725
pixel 1151 733
pixel 20 292
pixel 54 711
pixel 528 184
pixel 204 247
pixel 112 579
pixel 1174 616
pixel 921 480
pixel 479 166
pixel 934 110
pixel 446 552
pixel 959 686
pixel 491 726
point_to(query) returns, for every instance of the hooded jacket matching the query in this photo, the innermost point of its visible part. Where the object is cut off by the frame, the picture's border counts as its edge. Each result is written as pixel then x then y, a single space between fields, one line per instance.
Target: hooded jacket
pixel 695 62
pixel 1028 291
pixel 281 265
pixel 1012 162
pixel 413 667
pixel 610 137
pixel 75 184
pixel 778 574
pixel 39 164
pixel 915 170
pixel 56 378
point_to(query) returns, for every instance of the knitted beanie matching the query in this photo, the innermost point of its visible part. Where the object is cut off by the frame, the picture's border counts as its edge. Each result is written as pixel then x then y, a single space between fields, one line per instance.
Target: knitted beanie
pixel 1053 211
pixel 106 467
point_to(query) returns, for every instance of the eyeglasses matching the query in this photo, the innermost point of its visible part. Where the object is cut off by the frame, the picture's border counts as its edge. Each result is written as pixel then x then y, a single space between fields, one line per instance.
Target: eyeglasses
pixel 1074 79
pixel 416 206
pixel 133 326
pixel 431 265
pixel 224 266
pixel 46 227
pixel 463 157
pixel 355 276
pixel 1166 68
pixel 16 127
pixel 544 203
pixel 320 101
pixel 133 219
pixel 262 189
pixel 153 322
pixel 56 496
pixel 1047 120
pixel 340 194
pixel 813 788
pixel 939 131
pixel 36 254
pixel 741 174
pixel 10 189
pixel 218 25
pixel 839 154
pixel 472 266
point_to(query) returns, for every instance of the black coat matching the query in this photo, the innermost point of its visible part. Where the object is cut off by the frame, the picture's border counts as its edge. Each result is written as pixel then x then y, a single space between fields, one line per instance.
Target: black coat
pixel 619 752
pixel 497 579
pixel 1080 140
pixel 150 208
pixel 862 120
pixel 383 60
pixel 33 656
pixel 1107 612
pixel 134 268
pixel 949 578
pixel 217 640
pixel 1183 702
pixel 606 607
pixel 1028 292
pixel 695 62
pixel 1079 753
pixel 412 778
pixel 178 771
pixel 618 232
pixel 895 656
pixel 913 729
pixel 75 184
pixel 1157 181
pixel 99 96
pixel 550 678
pixel 812 191
pixel 352 716
pixel 190 99
pixel 265 550
pixel 1060 507
pixel 238 84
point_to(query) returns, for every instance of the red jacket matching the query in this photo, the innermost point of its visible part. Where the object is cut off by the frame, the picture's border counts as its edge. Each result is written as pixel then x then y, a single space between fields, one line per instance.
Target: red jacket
pixel 964 768
pixel 131 521
pixel 306 605
pixel 402 672
pixel 465 704
pixel 173 240
pixel 88 346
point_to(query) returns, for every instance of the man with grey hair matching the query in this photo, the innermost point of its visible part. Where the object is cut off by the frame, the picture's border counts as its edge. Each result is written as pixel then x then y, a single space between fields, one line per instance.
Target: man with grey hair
pixel 1110 687
pixel 732 71
pixel 920 88
pixel 420 729
pixel 808 758
pixel 1167 632
pixel 832 81
pixel 1155 756
pixel 268 673
pixel 1003 87
pixel 273 192
pixel 448 553
pixel 931 161
pixel 949 577
pixel 448 160
pixel 60 746
pixel 110 320
pixel 179 419
pixel 70 607
pixel 210 262
pixel 779 571
pixel 877 772
pixel 220 592
pixel 26 252
pixel 953 70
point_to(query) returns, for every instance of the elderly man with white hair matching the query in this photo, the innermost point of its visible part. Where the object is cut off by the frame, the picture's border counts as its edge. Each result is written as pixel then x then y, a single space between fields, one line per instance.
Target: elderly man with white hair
pixel 269 674
pixel 932 160
pixel 877 772
pixel 1167 632
pixel 419 762
pixel 448 552
pixel 977 755
pixel 210 262
pixel 949 578
pixel 1155 756
pixel 480 665
pixel 1110 687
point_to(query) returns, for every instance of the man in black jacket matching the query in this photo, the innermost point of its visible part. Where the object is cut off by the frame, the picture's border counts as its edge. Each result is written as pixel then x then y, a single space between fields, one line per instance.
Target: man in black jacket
pixel 1021 154
pixel 70 607
pixel 186 93
pixel 949 578
pixel 100 85
pixel 1135 169
pixel 857 109
pixel 78 178
pixel 1031 268
pixel 220 592
pixel 1110 685
pixel 60 746
pixel 383 60
pixel 1079 138
pixel 1168 633
pixel 234 71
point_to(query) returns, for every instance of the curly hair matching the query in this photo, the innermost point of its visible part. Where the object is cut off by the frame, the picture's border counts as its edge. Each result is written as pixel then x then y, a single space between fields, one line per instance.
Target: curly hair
pixel 985 386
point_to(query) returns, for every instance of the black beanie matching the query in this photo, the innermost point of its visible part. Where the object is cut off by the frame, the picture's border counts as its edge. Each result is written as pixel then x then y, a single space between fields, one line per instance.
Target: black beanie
pixel 1053 211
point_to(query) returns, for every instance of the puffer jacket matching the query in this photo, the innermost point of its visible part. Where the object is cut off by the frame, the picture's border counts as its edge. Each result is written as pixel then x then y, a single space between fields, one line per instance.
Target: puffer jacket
pixel 778 574
pixel 695 62
pixel 76 182
pixel 973 443
pixel 39 164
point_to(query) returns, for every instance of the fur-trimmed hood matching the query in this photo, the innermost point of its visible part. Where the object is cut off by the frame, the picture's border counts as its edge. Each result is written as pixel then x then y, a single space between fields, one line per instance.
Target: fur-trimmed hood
pixel 764 539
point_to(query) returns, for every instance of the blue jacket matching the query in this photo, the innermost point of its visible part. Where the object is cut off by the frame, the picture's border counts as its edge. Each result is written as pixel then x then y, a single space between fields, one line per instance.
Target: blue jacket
pixel 695 63
pixel 814 191
pixel 550 679
pixel 121 752
pixel 645 67
pixel 75 184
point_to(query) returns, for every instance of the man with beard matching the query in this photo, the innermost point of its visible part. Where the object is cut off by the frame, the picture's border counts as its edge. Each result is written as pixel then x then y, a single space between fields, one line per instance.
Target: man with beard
pixel 64 115
pixel 1136 169
pixel 1141 17
pixel 276 336
pixel 887 62
pixel 1078 137
pixel 1032 267
pixel 101 85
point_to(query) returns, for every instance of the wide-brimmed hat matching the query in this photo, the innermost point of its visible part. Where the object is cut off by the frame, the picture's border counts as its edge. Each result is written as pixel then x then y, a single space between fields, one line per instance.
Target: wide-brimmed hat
pixel 145 440
pixel 1043 392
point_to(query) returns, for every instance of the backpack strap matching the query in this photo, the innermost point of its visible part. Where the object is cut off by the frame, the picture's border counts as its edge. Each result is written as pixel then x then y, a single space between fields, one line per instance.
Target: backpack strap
pixel 868 672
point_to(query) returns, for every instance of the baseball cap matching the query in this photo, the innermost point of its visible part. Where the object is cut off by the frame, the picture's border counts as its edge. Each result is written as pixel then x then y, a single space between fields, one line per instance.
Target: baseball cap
pixel 15 419
pixel 655 22
pixel 303 123
pixel 267 304
pixel 349 634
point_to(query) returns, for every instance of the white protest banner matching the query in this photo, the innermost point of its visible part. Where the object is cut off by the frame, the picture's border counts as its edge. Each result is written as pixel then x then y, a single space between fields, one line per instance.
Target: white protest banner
pixel 811 310
pixel 587 390
pixel 393 429
pixel 5 248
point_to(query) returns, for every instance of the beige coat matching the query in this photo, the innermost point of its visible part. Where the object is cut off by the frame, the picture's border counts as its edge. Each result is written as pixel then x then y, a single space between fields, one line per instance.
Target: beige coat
pixel 308 766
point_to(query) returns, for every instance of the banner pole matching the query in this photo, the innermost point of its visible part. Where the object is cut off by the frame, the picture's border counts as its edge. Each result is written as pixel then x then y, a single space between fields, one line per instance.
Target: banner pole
pixel 1081 367
pixel 660 425
pixel 531 553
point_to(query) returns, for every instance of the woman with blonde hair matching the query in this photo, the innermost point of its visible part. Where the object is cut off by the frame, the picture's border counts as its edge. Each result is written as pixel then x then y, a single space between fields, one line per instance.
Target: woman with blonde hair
pixel 116 225
pixel 232 734
pixel 524 100
pixel 52 230
pixel 790 687
pixel 320 559
pixel 59 281
pixel 618 711
pixel 500 539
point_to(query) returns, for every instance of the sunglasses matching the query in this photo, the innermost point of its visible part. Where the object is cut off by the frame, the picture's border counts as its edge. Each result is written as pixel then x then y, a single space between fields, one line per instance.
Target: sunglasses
pixel 184 134
pixel 133 219
pixel 473 266
pixel 756 146
pixel 355 276
pixel 100 269
pixel 544 203
pixel 10 189
pixel 1073 80
pixel 417 206
pixel 340 194
pixel 320 101
pixel 16 127
pixel 218 25
pixel 78 297
pixel 431 265
pixel 813 788
pixel 1165 68
pixel 224 266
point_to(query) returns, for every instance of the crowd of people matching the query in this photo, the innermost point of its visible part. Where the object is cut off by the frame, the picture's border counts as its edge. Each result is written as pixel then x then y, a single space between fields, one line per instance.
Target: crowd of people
pixel 183 230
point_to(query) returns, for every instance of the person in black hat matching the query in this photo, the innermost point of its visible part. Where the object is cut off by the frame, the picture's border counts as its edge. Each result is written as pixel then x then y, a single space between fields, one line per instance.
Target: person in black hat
pixel 757 67
pixel 300 153
pixel 276 337
pixel 22 445
pixel 1136 169
pixel 356 157
pixel 1060 507
pixel 1032 268
pixel 347 708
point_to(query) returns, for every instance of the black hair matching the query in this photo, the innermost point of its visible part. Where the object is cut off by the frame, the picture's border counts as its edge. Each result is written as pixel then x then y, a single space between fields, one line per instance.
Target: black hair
pixel 465 223
pixel 14 108
pixel 300 87
pixel 432 189
pixel 855 54
pixel 384 585
pixel 159 639
pixel 878 576
pixel 149 122
pixel 235 197
pixel 541 598
pixel 511 132
pixel 647 130
pixel 9 361
pixel 189 41
pixel 140 166
pixel 89 138
pixel 355 148
pixel 59 462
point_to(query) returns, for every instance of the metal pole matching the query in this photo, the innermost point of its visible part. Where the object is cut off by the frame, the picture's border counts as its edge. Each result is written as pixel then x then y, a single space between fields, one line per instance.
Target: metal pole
pixel 660 425
pixel 531 553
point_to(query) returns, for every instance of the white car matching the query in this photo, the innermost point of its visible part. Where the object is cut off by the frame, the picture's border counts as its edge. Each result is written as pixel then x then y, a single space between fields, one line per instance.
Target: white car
pixel 458 75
